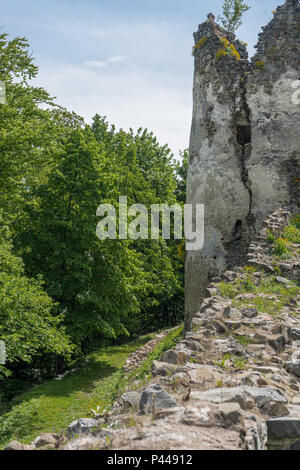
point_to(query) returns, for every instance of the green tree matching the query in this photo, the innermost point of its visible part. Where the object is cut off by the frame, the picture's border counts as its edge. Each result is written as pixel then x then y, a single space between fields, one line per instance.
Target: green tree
pixel 27 326
pixel 233 11
pixel 143 170
pixel 32 127
pixel 93 281
pixel 181 169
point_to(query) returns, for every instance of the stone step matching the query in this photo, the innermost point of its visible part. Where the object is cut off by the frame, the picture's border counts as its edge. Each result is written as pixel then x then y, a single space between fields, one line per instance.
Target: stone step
pixel 284 432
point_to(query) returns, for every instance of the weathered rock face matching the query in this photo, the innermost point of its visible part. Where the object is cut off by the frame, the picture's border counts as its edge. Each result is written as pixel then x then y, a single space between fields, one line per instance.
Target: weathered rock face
pixel 274 163
pixel 244 146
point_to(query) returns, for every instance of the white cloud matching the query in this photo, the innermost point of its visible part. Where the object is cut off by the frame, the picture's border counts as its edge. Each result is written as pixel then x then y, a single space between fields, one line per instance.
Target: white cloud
pixel 150 90
pixel 95 64
pixel 132 98
pixel 117 58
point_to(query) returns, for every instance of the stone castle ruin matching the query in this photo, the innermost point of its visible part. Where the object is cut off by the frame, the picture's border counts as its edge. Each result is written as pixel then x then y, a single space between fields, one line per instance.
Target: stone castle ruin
pixel 245 136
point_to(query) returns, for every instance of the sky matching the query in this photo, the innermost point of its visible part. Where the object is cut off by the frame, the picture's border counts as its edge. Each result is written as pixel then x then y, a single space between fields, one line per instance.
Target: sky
pixel 129 60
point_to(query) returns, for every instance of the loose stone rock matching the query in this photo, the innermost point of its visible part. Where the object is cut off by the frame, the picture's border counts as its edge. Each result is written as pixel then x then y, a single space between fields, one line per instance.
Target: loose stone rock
pixel 231 413
pixel 16 445
pixel 175 357
pixel 131 399
pixel 277 342
pixel 263 396
pixel 222 395
pixel 154 398
pixel 294 368
pixel 49 440
pixel 250 312
pixel 81 426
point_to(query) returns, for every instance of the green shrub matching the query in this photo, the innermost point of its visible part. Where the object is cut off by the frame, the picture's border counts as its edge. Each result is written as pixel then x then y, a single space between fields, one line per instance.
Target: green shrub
pixel 281 248
pixel 296 222
pixel 292 232
pixel 14 424
pixel 270 238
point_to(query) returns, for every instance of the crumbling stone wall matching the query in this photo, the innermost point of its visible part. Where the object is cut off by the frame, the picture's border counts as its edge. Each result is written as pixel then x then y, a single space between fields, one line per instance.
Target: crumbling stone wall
pixel 244 146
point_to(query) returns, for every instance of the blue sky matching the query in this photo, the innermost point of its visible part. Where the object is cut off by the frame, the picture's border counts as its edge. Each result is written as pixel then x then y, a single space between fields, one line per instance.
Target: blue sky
pixel 129 60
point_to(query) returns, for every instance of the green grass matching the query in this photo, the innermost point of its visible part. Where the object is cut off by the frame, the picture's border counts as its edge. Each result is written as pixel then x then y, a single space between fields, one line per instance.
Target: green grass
pixel 238 363
pixel 243 340
pixel 241 286
pixel 52 406
pixel 267 284
pixel 143 372
pixel 292 232
pixel 282 248
pixel 270 238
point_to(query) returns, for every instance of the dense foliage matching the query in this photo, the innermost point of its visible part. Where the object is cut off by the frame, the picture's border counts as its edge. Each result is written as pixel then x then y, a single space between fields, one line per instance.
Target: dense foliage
pixel 62 290
pixel 27 326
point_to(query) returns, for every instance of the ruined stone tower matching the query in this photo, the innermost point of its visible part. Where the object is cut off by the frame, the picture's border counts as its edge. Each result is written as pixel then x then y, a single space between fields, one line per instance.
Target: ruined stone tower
pixel 245 139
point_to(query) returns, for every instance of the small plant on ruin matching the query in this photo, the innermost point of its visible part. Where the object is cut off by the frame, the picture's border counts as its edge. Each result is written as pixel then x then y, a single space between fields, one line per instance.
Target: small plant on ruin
pixel 248 283
pixel 270 238
pixel 243 340
pixel 239 363
pixel 259 64
pixel 97 413
pixel 296 221
pixel 193 360
pixel 222 362
pixel 281 248
pixel 228 50
pixel 233 11
pixel 292 232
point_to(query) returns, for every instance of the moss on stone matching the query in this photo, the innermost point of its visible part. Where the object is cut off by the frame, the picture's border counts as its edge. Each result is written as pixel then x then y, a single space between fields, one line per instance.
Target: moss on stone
pixel 228 50
pixel 199 44
pixel 259 64
pixel 221 54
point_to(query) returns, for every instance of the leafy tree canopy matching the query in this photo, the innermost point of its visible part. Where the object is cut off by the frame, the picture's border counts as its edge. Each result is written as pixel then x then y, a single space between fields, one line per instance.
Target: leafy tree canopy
pixel 27 326
pixel 233 11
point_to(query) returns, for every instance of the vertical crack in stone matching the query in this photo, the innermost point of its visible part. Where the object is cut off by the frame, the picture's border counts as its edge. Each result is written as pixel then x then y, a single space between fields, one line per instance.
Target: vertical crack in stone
pixel 244 139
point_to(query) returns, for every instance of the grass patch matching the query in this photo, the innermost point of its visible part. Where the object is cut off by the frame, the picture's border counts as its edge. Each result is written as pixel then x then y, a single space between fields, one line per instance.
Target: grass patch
pixel 52 406
pixel 270 238
pixel 246 284
pixel 238 363
pixel 266 285
pixel 143 372
pixel 282 248
pixel 292 232
pixel 243 340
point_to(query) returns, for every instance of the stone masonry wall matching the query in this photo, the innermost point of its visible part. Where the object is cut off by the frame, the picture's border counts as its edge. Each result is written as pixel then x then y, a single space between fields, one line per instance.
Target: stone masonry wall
pixel 244 146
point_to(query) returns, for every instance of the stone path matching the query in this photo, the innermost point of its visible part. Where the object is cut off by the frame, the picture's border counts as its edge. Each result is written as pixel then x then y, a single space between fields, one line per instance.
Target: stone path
pixel 232 383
